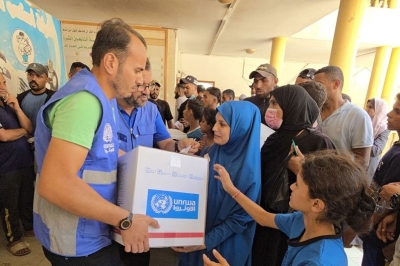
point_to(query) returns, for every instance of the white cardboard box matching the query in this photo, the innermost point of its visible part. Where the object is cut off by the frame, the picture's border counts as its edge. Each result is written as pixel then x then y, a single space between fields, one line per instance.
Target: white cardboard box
pixel 169 187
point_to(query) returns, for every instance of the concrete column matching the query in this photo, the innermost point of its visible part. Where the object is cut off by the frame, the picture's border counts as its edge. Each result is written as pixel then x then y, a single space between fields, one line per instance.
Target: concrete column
pixel 344 46
pixel 392 3
pixel 278 53
pixel 389 90
pixel 381 61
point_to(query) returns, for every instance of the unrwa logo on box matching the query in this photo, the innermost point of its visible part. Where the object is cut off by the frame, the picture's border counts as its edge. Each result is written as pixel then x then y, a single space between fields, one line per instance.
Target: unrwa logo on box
pixel 171 204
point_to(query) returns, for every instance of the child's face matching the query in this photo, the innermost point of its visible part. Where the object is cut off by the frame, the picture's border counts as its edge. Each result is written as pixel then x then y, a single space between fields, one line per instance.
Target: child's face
pixel 204 127
pixel 299 199
pixel 221 130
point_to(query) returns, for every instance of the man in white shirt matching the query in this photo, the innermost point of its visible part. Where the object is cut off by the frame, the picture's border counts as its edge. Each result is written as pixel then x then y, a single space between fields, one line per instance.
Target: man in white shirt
pixel 347 125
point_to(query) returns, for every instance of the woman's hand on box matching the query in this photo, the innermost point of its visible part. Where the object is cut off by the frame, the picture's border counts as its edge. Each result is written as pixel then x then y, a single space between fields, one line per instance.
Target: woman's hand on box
pixel 189 248
pixel 225 179
pixel 221 260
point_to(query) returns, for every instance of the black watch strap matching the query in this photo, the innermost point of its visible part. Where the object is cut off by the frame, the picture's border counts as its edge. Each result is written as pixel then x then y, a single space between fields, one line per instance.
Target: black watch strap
pixel 126 223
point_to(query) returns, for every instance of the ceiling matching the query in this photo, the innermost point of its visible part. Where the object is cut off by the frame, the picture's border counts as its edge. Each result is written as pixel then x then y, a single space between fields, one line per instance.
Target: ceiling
pixel 245 23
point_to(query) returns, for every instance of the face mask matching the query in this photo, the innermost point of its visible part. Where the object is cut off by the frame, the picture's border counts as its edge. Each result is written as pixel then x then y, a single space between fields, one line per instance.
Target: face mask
pixel 271 119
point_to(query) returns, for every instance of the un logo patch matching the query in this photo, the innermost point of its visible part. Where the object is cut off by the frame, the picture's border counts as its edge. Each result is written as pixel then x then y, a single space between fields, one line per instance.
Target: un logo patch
pixel 161 203
pixel 107 133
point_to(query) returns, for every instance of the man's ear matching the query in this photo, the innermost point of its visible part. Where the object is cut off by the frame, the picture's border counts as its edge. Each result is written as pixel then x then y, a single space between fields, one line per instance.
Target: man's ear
pixel 111 63
pixel 276 80
pixel 336 83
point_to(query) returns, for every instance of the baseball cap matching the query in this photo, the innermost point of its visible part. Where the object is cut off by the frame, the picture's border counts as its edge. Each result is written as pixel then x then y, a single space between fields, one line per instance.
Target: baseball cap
pixel 189 79
pixel 264 70
pixel 155 82
pixel 37 68
pixel 307 73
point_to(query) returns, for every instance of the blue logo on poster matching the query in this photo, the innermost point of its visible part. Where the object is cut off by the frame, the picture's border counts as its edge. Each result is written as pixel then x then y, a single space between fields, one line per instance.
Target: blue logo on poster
pixel 168 204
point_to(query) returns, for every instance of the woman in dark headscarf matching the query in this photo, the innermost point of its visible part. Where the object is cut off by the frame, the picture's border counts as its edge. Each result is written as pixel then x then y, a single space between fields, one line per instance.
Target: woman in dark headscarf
pixel 229 229
pixel 291 112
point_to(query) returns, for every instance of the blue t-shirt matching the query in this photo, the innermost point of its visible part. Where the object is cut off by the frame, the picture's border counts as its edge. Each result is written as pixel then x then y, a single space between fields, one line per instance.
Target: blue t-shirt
pixel 31 105
pixel 15 154
pixel 195 134
pixel 323 250
pixel 143 127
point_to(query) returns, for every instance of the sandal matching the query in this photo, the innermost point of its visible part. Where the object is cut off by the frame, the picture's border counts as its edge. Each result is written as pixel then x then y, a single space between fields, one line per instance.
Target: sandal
pixel 19 249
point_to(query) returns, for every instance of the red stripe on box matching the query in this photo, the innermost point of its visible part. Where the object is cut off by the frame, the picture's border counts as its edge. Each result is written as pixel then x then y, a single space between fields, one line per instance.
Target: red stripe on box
pixel 168 234
pixel 176 235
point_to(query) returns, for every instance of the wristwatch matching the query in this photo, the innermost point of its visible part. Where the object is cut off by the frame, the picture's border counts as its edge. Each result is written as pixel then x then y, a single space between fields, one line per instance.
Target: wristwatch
pixel 395 201
pixel 126 222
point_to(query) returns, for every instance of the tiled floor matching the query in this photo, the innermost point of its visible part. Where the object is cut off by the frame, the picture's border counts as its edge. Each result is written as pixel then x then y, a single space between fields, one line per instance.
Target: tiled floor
pixel 159 257
pixel 354 255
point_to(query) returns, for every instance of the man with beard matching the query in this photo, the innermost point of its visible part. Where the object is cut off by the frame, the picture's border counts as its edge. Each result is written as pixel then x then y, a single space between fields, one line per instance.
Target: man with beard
pixel 162 105
pixel 77 154
pixel 264 81
pixel 141 124
pixel 31 100
pixel 179 96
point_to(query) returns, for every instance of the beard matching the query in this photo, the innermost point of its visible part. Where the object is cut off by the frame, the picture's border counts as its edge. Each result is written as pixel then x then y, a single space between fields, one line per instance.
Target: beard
pixel 34 86
pixel 153 96
pixel 134 101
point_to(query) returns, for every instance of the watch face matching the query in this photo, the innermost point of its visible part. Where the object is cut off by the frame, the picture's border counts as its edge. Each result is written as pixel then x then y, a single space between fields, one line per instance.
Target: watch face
pixel 125 224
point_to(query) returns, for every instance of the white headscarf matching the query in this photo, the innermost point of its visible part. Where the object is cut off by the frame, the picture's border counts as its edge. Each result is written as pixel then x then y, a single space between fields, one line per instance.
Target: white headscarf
pixel 379 121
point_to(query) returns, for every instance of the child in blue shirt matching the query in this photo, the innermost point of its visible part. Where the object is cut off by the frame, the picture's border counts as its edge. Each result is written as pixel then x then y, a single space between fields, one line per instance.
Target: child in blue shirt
pixel 329 190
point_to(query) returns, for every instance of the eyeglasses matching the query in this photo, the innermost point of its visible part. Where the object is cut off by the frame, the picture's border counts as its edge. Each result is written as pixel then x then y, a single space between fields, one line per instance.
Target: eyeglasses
pixel 145 87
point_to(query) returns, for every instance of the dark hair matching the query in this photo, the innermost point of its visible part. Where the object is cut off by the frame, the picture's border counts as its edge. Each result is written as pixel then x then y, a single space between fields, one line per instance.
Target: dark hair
pixel 215 92
pixel 148 65
pixel 346 97
pixel 113 36
pixel 75 65
pixel 197 108
pixel 332 73
pixel 209 115
pixel 316 90
pixel 200 88
pixel 340 183
pixel 307 73
pixel 230 92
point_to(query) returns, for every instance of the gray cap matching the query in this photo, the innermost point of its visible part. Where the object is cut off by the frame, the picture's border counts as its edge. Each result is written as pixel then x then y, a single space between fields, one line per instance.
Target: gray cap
pixel 264 70
pixel 37 68
pixel 189 79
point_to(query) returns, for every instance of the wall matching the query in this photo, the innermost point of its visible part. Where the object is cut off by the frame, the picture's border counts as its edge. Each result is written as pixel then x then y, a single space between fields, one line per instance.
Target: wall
pixel 29 35
pixel 230 72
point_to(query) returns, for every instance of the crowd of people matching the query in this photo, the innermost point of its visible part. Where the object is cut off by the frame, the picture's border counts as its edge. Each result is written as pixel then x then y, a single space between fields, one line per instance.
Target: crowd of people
pixel 310 191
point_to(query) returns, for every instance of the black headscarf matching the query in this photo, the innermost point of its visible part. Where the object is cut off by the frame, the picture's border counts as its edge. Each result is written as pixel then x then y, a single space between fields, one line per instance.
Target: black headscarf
pixel 299 112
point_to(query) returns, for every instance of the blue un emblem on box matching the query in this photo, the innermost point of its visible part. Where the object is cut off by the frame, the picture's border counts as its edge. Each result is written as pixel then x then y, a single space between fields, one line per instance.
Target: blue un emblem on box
pixel 169 204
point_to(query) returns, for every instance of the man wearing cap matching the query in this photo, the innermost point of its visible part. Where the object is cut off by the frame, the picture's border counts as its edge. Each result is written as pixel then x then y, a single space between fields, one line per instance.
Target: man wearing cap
pixel 265 80
pixel 190 90
pixel 305 75
pixel 162 105
pixel 31 100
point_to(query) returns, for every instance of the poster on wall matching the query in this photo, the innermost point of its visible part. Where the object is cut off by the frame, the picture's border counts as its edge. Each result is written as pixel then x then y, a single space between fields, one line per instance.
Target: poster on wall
pixel 78 39
pixel 29 35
